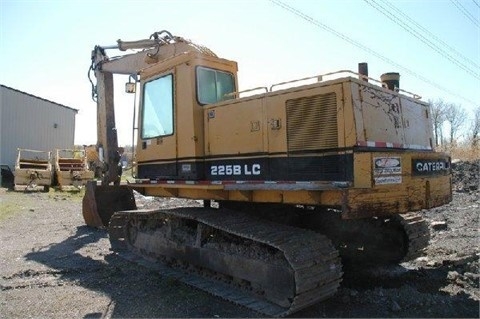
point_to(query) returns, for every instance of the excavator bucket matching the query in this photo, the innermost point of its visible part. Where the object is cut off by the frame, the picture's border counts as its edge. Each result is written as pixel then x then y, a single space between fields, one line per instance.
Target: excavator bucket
pixel 101 202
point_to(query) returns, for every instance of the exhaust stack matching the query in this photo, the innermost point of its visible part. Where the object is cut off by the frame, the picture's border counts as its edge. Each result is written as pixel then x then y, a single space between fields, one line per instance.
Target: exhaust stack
pixel 363 71
pixel 391 80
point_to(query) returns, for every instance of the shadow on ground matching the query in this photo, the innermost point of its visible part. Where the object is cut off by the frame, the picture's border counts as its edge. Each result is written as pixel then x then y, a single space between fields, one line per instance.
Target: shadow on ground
pixel 134 290
pixel 141 293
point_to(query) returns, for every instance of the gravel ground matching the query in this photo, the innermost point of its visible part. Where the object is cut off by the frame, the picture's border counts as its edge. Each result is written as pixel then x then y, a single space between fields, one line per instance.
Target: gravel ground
pixel 52 266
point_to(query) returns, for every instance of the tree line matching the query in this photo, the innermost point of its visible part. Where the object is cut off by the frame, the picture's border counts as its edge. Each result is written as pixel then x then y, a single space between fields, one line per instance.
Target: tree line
pixel 459 125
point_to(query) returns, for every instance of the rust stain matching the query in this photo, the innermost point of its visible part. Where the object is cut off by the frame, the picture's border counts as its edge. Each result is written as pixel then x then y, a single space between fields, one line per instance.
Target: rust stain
pixel 389 104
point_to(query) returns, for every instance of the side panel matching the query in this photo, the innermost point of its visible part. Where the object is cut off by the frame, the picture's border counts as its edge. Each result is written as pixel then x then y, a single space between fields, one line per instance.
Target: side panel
pixel 386 183
pixel 150 165
pixel 290 135
pixel 356 95
pixel 396 182
pixel 381 114
pixel 305 120
pixel 417 124
pixel 235 141
pixel 306 135
pixel 236 129
pixel 387 117
pixel 347 116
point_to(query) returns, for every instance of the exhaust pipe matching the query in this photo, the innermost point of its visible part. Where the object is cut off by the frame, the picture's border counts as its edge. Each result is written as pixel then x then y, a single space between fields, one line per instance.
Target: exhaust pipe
pixel 363 71
pixel 391 80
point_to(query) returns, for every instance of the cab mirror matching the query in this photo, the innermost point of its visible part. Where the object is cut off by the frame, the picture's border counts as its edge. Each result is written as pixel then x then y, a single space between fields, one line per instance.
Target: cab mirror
pixel 130 87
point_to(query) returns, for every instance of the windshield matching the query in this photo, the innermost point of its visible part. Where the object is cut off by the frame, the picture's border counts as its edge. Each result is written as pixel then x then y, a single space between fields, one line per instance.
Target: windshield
pixel 212 85
pixel 157 119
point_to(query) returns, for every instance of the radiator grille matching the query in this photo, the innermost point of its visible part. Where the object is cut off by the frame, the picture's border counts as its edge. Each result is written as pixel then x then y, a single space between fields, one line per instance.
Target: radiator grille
pixel 312 122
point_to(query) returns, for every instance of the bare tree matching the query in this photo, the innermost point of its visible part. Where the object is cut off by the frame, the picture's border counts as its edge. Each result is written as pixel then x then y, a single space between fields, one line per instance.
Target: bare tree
pixel 456 116
pixel 438 110
pixel 476 127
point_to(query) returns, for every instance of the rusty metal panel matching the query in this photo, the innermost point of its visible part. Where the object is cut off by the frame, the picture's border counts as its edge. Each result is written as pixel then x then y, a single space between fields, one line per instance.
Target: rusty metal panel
pixel 357 105
pixel 363 170
pixel 386 116
pixel 401 182
pixel 381 115
pixel 417 123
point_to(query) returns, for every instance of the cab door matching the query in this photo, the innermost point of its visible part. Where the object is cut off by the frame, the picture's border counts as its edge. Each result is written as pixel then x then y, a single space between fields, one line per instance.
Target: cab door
pixel 156 149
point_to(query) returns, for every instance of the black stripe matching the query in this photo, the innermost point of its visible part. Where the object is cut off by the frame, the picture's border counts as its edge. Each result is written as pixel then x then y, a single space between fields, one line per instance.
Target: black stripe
pixel 321 151
pixel 256 154
pixel 337 167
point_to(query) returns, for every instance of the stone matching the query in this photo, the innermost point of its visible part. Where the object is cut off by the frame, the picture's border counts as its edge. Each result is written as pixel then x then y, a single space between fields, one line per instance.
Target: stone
pixel 438 225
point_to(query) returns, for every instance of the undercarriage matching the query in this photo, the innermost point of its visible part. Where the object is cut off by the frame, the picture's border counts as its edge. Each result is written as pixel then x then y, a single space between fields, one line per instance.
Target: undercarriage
pixel 273 268
pixel 281 269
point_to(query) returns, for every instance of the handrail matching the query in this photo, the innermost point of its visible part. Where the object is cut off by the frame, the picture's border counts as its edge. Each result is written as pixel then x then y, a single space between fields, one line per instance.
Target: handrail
pixel 361 76
pixel 236 93
pixel 320 78
pixel 415 96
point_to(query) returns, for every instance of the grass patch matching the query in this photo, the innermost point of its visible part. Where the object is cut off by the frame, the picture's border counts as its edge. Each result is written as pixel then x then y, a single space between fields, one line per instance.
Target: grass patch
pixel 8 209
pixel 73 194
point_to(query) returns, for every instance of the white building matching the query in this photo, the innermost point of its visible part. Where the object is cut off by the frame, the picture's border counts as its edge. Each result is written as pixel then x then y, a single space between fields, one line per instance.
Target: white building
pixel 31 122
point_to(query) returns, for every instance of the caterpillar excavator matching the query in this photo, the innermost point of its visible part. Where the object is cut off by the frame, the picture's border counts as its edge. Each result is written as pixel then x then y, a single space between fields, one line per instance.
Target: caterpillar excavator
pixel 296 179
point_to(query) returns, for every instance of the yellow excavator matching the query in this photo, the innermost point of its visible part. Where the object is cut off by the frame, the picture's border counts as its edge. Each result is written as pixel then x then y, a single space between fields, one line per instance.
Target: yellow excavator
pixel 296 178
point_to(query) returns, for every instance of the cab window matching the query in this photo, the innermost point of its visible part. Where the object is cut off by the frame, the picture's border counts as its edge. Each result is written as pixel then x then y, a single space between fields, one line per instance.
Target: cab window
pixel 213 85
pixel 157 117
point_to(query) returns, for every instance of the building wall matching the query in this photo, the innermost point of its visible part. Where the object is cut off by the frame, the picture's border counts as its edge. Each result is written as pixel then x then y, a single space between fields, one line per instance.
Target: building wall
pixel 30 122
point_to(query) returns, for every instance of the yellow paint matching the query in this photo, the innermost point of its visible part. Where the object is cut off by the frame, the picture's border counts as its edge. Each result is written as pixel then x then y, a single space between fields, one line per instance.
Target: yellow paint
pixel 249 127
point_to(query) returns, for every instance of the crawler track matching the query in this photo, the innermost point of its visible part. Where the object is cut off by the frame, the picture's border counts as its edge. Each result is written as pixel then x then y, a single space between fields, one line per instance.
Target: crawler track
pixel 273 269
pixel 372 241
pixel 417 233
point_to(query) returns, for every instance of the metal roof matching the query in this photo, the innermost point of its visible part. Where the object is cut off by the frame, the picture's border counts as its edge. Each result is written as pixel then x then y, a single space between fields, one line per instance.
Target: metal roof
pixel 40 98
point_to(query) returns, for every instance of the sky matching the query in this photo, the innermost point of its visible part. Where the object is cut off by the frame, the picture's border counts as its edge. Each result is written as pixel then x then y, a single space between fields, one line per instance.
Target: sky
pixel 45 45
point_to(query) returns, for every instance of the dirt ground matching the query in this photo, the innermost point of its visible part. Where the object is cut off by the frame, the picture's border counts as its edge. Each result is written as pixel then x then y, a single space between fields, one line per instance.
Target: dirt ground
pixel 52 266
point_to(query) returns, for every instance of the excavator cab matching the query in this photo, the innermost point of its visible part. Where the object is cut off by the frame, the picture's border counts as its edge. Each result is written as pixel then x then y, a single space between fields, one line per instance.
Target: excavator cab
pixel 171 143
pixel 177 79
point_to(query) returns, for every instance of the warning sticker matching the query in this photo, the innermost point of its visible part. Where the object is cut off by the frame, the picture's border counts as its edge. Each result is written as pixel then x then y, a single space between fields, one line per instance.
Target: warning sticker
pixel 387 166
pixel 383 180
